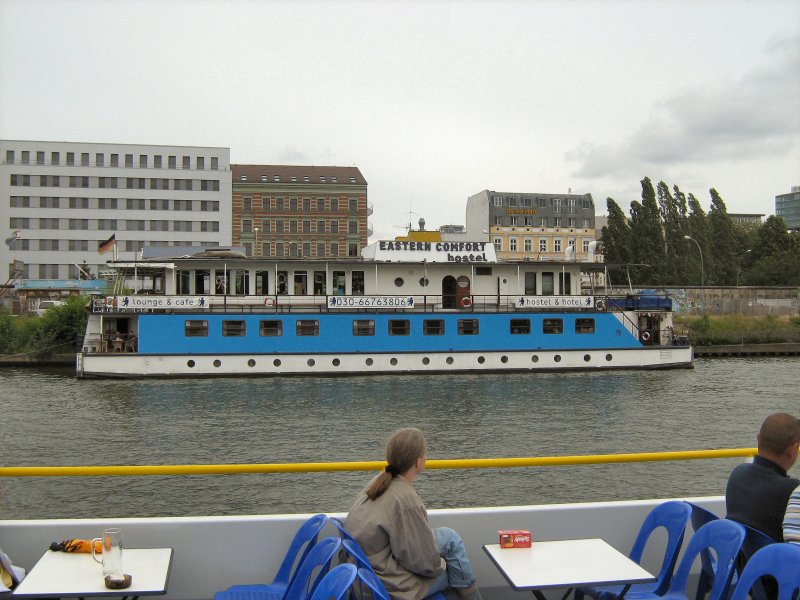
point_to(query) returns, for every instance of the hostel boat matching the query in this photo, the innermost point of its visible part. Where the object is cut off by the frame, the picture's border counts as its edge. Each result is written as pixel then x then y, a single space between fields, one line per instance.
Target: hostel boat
pixel 401 307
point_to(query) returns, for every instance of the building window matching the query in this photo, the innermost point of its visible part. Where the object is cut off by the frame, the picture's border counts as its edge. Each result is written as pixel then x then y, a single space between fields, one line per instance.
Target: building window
pixel 542 221
pixel 520 326
pixel 557 245
pixel 399 327
pixel 512 244
pixel 557 222
pixel 498 244
pixel 233 328
pixel 548 284
pixel 497 200
pixel 247 226
pixel 528 245
pixel 584 325
pixel 433 327
pixel 195 328
pixel 468 327
pixel 553 326
pixel 556 205
pixel 272 328
pixel 530 284
pixel 307 327
pixel 363 327
pixel 542 244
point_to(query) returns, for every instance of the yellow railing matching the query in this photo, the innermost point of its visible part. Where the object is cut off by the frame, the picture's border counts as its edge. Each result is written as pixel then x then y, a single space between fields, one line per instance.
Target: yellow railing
pixel 458 463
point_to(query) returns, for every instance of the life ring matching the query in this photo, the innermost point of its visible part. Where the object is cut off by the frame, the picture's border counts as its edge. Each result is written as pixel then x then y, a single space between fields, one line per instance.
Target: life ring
pixel 466 302
pixel 645 337
pixel 269 301
pixel 600 305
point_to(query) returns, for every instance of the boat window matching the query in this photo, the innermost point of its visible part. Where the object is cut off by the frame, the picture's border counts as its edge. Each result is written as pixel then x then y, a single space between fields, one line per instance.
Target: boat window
pixel 433 327
pixel 196 328
pixel 358 283
pixel 364 327
pixel 468 327
pixel 339 283
pixel 553 326
pixel 548 284
pixel 273 328
pixel 584 325
pixel 319 283
pixel 399 327
pixel 307 327
pixel 530 284
pixel 262 282
pixel 399 282
pixel 233 328
pixel 282 287
pixel 565 283
pixel 520 326
pixel 202 282
pixel 483 270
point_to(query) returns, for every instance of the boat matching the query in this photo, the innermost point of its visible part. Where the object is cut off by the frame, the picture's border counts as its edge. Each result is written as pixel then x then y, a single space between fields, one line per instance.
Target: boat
pixel 403 306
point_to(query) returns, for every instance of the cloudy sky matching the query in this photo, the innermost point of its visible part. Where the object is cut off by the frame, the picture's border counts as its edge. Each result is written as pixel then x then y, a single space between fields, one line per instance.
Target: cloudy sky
pixel 433 100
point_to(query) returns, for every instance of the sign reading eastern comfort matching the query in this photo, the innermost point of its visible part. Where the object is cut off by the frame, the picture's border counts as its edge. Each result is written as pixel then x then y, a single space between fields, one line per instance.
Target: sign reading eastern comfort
pixel 410 251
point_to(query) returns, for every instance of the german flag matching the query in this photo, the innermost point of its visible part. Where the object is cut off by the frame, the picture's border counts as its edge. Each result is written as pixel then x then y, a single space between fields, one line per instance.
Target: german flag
pixel 103 247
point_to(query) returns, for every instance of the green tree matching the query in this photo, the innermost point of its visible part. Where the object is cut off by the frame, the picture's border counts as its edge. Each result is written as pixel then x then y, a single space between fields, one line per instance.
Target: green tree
pixel 673 217
pixel 697 222
pixel 775 256
pixel 616 238
pixel 647 237
pixel 723 260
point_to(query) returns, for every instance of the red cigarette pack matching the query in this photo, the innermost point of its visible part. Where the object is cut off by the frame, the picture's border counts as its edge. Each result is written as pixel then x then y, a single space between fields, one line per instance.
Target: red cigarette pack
pixel 515 538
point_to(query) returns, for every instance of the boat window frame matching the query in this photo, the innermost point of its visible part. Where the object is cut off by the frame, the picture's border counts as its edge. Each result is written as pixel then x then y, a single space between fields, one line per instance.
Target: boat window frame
pixel 433 327
pixel 307 327
pixel 468 327
pixel 270 328
pixel 584 325
pixel 399 327
pixel 234 328
pixel 519 326
pixel 363 327
pixel 553 326
pixel 192 329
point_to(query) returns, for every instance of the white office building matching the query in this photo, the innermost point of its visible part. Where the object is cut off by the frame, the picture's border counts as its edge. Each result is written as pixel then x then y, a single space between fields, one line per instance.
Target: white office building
pixel 60 200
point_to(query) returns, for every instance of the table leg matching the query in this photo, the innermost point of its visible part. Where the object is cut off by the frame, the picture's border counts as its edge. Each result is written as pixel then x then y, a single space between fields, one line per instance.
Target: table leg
pixel 539 595
pixel 624 591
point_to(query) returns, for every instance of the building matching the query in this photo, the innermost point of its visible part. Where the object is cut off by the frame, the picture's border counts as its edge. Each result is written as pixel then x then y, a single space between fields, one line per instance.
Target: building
pixel 318 212
pixel 746 218
pixel 60 201
pixel 532 225
pixel 787 206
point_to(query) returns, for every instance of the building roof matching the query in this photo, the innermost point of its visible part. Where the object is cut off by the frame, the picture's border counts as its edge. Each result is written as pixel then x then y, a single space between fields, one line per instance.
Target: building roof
pixel 301 175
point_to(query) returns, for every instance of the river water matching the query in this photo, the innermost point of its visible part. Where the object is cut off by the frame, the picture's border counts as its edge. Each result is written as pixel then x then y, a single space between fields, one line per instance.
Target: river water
pixel 47 417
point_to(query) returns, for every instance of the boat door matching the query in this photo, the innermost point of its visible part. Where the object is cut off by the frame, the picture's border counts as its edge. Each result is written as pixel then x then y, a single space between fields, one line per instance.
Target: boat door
pixel 300 283
pixel 649 328
pixel 454 291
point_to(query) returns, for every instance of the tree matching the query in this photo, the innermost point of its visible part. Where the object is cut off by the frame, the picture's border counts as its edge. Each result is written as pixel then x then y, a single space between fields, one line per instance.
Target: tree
pixel 616 238
pixel 647 237
pixel 722 259
pixel 673 216
pixel 697 222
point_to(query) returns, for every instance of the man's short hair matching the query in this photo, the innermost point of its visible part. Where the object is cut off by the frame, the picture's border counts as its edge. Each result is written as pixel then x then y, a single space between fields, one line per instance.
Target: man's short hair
pixel 778 432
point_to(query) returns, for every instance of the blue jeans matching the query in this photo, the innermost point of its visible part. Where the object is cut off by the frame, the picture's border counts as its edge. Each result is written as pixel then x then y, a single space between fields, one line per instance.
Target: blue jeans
pixel 458 573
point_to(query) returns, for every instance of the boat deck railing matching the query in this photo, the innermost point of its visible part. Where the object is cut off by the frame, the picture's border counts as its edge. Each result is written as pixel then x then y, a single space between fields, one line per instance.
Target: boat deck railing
pixel 316 467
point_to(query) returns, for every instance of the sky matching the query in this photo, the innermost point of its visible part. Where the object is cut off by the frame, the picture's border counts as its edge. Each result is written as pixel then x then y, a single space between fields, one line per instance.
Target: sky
pixel 433 101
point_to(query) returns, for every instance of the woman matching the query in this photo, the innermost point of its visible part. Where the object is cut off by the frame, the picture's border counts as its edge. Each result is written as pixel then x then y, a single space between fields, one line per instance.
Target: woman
pixel 390 523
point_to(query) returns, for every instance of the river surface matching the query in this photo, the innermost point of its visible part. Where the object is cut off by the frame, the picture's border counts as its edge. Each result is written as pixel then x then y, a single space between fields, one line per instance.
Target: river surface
pixel 47 417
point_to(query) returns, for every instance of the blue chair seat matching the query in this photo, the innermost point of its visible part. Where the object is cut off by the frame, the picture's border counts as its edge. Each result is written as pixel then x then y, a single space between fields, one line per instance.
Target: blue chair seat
pixel 781 562
pixel 336 584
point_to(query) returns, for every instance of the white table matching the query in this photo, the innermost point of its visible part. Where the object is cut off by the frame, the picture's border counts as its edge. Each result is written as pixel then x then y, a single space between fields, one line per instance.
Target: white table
pixel 77 575
pixel 566 564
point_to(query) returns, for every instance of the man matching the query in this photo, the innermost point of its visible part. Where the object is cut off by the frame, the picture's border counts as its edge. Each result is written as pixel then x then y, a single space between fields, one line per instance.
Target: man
pixel 758 492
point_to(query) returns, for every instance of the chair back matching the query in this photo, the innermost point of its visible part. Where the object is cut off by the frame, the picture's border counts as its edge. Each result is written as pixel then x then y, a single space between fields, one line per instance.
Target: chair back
pixel 754 540
pixel 336 583
pixel 357 554
pixel 337 523
pixel 318 559
pixel 725 538
pixel 373 584
pixel 780 561
pixel 673 516
pixel 304 540
pixel 701 516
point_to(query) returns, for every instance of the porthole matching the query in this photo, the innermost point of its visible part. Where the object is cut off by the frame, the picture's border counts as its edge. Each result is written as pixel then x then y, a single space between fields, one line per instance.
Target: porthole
pixel 587 358
pixel 277 362
pixel 423 282
pixel 251 363
pixel 557 358
pixel 449 360
pixel 535 358
pixel 336 362
pixel 399 282
pixel 481 360
pixel 393 362
pixel 504 359
pixel 609 357
pixel 311 362
pixel 426 361
pixel 369 362
pixel 217 363
pixel 190 364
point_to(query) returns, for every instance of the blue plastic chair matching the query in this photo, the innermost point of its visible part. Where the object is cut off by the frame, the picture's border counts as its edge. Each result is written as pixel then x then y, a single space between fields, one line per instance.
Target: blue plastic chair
pixel 701 516
pixel 303 541
pixel 725 539
pixel 754 540
pixel 371 582
pixel 336 584
pixel 319 561
pixel 673 516
pixel 779 561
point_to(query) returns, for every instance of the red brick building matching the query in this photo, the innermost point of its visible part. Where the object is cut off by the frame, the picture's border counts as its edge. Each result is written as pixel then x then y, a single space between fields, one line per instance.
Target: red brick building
pixel 285 211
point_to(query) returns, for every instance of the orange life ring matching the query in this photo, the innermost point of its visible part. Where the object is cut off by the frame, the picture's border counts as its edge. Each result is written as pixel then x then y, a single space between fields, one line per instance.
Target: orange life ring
pixel 269 301
pixel 466 302
pixel 645 336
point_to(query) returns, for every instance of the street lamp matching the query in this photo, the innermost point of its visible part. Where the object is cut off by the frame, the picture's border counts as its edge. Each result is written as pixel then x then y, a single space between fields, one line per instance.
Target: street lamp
pixel 255 245
pixel 702 270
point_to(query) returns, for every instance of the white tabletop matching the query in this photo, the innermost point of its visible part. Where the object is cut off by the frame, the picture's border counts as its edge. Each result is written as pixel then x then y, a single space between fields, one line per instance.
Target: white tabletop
pixel 566 564
pixel 65 574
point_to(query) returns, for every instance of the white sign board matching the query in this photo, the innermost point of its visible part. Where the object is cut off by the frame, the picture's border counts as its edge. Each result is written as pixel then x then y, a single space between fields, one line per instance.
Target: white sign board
pixel 171 302
pixel 432 252
pixel 371 302
pixel 555 302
